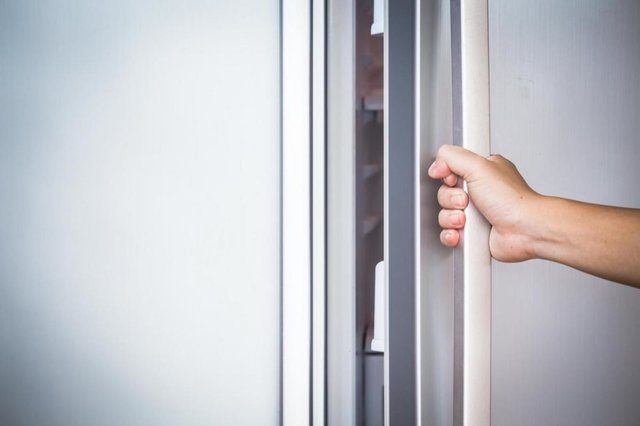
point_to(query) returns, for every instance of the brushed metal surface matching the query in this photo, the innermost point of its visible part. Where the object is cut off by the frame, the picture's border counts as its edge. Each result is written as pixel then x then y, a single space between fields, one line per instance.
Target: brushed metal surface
pixel 565 107
pixel 472 260
pixel 434 290
pixel 454 287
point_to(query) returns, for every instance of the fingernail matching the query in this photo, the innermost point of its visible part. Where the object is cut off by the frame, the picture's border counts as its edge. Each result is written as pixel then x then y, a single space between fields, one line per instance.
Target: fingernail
pixel 455 218
pixel 431 167
pixel 458 200
pixel 448 236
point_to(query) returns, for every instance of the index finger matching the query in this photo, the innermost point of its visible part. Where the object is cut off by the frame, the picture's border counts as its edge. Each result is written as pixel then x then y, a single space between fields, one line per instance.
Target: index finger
pixel 454 160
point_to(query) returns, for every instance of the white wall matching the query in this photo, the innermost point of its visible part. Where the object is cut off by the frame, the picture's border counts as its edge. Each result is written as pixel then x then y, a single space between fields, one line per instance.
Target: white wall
pixel 139 212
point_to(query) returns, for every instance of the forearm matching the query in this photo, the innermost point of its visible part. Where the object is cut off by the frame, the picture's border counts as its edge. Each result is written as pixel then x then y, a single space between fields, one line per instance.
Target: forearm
pixel 600 240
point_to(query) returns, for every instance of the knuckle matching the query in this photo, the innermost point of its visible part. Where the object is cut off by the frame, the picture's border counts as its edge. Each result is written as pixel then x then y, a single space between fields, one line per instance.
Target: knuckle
pixel 443 150
pixel 497 158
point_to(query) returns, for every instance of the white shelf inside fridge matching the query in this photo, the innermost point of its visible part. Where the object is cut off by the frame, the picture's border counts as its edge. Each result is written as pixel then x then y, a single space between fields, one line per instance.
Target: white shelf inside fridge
pixel 377 343
pixel 377 27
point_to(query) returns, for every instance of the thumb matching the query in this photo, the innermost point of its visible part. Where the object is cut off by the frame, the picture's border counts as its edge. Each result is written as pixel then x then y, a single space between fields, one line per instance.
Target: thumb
pixel 455 160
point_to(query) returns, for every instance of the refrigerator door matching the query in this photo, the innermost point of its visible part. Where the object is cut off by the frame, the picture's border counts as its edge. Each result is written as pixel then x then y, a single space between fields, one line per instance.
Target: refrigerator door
pixel 536 342
pixel 140 213
pixel 565 102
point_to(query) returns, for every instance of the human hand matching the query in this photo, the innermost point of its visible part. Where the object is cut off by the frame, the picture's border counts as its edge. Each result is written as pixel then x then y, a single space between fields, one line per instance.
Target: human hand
pixel 497 190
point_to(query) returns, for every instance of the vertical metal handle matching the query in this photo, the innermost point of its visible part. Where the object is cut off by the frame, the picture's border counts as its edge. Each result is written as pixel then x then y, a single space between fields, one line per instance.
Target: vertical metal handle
pixel 472 260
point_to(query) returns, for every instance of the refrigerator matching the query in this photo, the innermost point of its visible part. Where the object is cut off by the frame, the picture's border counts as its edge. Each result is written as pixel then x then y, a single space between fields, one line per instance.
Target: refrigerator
pixel 218 213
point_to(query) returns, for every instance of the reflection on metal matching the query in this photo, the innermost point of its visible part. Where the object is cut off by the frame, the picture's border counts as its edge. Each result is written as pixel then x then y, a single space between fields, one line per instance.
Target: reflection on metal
pixel 434 267
pixel 472 260
pixel 318 221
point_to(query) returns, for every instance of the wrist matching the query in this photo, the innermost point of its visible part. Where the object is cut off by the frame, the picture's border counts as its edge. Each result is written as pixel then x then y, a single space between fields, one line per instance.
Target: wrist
pixel 540 218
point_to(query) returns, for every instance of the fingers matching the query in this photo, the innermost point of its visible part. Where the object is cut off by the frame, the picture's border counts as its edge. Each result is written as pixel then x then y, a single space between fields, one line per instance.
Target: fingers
pixel 453 201
pixel 450 163
pixel 455 160
pixel 450 237
pixel 450 180
pixel 452 198
pixel 451 219
pixel 439 170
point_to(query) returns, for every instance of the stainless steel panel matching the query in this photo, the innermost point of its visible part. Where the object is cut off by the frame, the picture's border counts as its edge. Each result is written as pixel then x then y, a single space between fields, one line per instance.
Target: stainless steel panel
pixel 434 292
pixel 472 260
pixel 565 102
pixel 454 289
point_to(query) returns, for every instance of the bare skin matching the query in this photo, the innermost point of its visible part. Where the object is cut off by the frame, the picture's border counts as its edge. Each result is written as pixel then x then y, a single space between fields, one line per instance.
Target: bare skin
pixel 600 240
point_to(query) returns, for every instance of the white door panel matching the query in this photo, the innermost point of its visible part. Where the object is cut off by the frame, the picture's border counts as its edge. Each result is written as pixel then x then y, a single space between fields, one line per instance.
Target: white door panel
pixel 139 213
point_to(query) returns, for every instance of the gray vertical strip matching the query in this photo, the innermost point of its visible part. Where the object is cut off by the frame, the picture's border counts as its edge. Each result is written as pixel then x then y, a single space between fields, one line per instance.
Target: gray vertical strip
pixel 400 212
pixel 458 254
pixel 325 125
pixel 456 71
pixel 311 216
pixel 281 221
